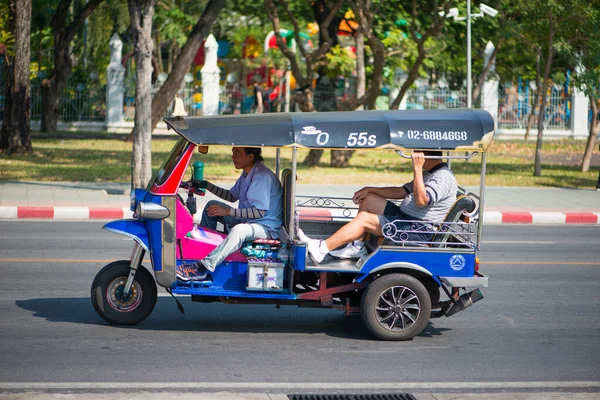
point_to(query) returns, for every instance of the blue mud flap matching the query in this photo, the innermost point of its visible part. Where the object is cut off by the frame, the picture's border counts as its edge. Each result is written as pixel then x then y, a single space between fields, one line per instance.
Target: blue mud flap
pixel 130 228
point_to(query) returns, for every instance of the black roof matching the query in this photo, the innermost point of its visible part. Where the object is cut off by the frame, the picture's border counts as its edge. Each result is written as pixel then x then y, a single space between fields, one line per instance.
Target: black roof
pixel 447 129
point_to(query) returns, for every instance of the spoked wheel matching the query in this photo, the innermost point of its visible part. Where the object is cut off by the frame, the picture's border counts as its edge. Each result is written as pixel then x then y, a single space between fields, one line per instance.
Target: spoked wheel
pixel 396 307
pixel 115 307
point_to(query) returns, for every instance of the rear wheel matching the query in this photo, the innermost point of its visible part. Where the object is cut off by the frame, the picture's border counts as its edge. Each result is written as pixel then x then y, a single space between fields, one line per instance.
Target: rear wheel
pixel 114 307
pixel 396 307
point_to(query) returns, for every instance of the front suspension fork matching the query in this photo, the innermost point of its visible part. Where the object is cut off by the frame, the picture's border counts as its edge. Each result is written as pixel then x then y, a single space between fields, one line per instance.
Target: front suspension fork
pixel 137 255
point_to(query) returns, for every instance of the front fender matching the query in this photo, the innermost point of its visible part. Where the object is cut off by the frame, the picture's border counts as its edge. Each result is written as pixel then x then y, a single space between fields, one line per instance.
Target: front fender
pixel 130 228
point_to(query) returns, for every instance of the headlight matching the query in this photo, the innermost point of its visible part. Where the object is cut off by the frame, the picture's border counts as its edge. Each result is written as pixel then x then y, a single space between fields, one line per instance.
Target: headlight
pixel 150 211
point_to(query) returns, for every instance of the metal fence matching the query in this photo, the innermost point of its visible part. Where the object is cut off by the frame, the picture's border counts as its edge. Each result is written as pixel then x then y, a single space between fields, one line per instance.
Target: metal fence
pixel 515 109
pixel 78 102
pixel 86 103
pixel 426 98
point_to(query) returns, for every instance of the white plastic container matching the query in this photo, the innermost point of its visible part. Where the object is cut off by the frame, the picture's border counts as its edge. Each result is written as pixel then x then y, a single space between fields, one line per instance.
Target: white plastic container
pixel 265 276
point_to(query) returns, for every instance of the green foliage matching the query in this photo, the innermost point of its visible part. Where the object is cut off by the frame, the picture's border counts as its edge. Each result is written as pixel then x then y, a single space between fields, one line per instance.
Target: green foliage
pixel 339 62
pixel 110 17
pixel 6 36
pixel 173 23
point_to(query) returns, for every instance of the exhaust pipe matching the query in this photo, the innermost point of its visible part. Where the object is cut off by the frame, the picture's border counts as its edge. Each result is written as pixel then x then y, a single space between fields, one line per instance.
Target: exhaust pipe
pixel 450 308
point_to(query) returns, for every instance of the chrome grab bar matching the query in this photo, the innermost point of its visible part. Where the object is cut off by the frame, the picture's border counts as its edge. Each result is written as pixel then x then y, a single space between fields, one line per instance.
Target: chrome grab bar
pixel 465 157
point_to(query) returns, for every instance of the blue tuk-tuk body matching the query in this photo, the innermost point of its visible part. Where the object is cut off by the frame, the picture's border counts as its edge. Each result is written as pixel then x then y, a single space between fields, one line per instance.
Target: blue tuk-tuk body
pixel 397 287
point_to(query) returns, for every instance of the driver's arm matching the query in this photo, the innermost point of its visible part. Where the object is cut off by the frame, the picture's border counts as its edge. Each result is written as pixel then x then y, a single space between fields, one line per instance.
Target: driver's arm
pixel 217 191
pixel 247 213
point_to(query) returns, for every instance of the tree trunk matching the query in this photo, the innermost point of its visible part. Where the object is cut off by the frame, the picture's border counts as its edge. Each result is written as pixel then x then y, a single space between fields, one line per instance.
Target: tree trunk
pixel 537 169
pixel 413 74
pixel 64 33
pixel 15 136
pixel 305 103
pixel 168 90
pixel 591 142
pixel 141 12
pixel 538 100
pixel 51 102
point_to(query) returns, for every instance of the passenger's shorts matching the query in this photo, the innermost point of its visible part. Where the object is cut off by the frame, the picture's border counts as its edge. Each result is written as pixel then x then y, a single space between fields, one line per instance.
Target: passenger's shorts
pixel 403 227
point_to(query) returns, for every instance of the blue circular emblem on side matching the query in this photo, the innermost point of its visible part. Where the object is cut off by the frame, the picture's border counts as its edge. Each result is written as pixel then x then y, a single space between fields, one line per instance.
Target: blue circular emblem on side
pixel 457 262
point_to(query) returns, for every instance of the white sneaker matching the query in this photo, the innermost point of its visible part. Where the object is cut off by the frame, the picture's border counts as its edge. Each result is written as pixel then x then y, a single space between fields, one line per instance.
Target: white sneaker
pixel 314 251
pixel 353 249
pixel 313 247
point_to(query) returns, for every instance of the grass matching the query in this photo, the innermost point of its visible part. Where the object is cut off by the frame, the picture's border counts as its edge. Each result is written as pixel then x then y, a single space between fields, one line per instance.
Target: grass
pixel 510 163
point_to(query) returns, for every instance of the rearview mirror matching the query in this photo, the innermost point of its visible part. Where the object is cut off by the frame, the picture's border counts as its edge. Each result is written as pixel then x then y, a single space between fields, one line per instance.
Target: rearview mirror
pixel 203 149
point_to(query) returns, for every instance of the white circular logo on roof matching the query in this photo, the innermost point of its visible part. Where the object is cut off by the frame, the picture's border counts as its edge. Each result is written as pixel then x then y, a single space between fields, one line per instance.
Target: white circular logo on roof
pixel 457 262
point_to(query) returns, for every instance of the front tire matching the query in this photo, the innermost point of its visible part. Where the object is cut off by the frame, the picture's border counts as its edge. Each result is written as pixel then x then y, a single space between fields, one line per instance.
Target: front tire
pixel 396 307
pixel 107 294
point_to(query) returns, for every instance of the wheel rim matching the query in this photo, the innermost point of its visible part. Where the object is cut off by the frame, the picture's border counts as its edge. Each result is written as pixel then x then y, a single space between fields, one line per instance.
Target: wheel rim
pixel 120 303
pixel 397 308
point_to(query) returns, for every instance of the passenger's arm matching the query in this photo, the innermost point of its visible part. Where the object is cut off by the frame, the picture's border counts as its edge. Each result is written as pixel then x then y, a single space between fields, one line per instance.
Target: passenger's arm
pixel 388 192
pixel 418 186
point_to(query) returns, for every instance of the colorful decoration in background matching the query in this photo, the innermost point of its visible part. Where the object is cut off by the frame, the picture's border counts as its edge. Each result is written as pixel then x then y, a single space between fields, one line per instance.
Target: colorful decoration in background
pixel 222 52
pixel 351 51
pixel 347 27
pixel 198 75
pixel 288 37
pixel 313 28
pixel 251 48
pixel 223 49
pixel 224 71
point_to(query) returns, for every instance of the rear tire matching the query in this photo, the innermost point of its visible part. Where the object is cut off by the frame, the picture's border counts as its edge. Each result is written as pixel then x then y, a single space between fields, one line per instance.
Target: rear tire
pixel 396 307
pixel 107 294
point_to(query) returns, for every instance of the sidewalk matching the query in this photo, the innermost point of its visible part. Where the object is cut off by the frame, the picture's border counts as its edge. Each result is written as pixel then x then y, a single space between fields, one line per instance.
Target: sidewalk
pixel 89 200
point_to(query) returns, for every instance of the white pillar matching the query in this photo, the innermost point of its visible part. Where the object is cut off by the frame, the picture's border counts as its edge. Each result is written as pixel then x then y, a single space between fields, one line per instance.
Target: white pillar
pixel 210 78
pixel 579 115
pixel 115 74
pixel 489 94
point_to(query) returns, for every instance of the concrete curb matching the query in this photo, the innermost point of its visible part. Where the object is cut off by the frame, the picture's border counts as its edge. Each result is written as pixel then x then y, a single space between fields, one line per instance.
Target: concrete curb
pixel 103 213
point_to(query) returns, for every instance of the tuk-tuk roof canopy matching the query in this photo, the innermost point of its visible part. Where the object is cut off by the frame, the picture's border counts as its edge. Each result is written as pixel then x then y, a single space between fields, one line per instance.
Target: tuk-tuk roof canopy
pixel 448 129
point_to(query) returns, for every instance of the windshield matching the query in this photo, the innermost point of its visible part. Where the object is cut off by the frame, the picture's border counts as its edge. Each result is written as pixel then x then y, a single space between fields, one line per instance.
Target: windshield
pixel 166 169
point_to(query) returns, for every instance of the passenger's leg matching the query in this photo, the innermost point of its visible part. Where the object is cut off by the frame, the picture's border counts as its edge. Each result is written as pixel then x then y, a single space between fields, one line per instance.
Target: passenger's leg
pixel 234 240
pixel 373 203
pixel 361 225
pixel 365 222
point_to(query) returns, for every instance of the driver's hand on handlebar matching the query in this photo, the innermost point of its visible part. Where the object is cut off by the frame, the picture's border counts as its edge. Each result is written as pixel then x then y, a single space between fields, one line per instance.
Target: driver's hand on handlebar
pixel 218 210
pixel 199 184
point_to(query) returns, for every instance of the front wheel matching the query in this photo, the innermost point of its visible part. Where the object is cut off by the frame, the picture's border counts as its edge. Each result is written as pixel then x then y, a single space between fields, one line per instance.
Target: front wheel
pixel 396 307
pixel 110 303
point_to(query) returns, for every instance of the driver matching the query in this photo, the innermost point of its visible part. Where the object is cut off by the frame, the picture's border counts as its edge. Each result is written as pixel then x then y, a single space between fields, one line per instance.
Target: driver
pixel 428 198
pixel 258 216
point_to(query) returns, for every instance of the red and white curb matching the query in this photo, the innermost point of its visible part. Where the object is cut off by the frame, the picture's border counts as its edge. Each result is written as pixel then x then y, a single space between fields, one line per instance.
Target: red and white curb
pixel 540 217
pixel 489 217
pixel 64 213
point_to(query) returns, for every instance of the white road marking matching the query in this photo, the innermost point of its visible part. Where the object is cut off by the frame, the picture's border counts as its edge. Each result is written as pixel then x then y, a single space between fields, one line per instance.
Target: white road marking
pixel 517 242
pixel 299 385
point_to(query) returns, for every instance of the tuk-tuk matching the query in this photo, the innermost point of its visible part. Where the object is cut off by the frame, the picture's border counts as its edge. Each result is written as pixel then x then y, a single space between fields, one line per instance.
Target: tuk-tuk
pixel 396 287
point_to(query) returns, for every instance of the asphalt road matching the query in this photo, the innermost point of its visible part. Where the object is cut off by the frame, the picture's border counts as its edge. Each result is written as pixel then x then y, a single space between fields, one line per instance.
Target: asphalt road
pixel 538 321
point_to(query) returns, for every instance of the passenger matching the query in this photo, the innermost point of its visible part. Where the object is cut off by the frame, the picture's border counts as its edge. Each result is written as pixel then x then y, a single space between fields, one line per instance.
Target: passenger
pixel 258 216
pixel 428 198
